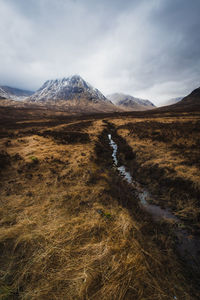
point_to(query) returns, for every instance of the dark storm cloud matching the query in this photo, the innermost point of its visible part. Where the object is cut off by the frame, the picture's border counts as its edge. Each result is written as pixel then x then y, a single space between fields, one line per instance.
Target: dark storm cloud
pixel 148 48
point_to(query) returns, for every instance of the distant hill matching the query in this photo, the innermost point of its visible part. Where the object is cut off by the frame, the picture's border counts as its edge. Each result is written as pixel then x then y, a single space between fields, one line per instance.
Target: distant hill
pixel 188 103
pixel 191 99
pixel 172 101
pixel 8 92
pixel 130 103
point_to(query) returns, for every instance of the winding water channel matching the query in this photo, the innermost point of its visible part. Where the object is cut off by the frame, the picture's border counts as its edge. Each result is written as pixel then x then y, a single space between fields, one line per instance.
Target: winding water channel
pixel 187 244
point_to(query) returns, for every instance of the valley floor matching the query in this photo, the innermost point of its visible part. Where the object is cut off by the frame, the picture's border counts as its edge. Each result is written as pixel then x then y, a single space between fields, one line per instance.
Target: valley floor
pixel 72 228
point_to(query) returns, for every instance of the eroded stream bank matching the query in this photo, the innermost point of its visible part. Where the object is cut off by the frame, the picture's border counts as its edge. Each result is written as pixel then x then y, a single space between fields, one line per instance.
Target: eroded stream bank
pixel 187 245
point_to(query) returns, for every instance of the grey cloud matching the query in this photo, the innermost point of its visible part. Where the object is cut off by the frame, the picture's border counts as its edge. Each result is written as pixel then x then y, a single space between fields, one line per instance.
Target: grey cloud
pixel 148 48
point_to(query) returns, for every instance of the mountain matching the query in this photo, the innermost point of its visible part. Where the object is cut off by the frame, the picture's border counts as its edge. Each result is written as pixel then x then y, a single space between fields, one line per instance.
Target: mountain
pixel 191 99
pixel 189 103
pixel 172 101
pixel 7 92
pixel 70 88
pixel 72 94
pixel 129 102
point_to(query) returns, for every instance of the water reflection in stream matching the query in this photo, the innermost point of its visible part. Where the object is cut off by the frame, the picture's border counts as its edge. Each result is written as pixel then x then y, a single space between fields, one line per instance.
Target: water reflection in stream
pixel 187 245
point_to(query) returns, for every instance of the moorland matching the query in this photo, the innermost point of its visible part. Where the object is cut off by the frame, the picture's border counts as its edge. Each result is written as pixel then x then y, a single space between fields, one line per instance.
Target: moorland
pixel 72 228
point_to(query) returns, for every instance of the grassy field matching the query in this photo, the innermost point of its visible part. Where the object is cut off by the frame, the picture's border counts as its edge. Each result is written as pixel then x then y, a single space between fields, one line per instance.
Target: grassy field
pixel 167 160
pixel 71 228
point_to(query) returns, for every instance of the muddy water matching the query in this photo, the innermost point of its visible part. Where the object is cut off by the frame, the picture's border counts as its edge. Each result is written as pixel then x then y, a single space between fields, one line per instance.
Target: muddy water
pixel 187 245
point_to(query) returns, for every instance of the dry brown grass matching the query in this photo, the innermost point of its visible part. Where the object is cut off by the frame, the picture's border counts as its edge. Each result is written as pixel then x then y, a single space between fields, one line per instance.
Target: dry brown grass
pixel 167 160
pixel 65 235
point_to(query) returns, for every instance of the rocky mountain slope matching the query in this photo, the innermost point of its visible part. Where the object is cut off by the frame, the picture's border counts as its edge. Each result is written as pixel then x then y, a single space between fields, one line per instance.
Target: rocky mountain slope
pixel 70 88
pixel 191 99
pixel 7 92
pixel 72 94
pixel 129 102
pixel 188 103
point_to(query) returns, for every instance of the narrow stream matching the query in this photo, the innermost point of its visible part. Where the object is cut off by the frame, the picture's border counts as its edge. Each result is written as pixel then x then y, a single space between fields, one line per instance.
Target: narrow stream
pixel 187 245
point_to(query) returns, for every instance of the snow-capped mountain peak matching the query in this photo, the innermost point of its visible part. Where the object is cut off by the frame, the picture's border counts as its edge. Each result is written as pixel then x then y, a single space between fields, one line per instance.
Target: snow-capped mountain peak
pixel 73 87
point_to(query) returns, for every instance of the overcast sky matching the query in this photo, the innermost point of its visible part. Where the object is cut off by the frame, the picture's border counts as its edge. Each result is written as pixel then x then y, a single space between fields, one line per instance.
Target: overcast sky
pixel 146 48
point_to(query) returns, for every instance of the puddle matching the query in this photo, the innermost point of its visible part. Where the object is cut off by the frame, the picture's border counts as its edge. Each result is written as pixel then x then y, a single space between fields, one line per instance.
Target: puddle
pixel 156 211
pixel 188 245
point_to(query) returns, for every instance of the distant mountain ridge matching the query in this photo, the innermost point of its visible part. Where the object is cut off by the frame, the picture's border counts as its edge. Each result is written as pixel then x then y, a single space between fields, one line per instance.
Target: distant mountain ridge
pixel 130 103
pixel 7 92
pixel 75 95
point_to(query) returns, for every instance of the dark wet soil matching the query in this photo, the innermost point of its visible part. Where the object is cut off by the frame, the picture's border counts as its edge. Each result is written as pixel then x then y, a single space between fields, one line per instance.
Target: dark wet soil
pixel 187 244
